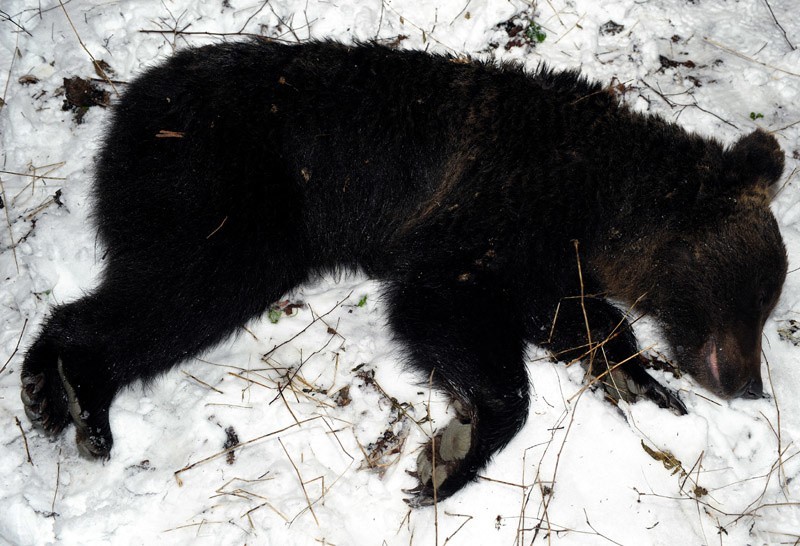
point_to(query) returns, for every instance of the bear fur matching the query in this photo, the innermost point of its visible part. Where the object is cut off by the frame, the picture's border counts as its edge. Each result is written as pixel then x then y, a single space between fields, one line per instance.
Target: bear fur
pixel 498 207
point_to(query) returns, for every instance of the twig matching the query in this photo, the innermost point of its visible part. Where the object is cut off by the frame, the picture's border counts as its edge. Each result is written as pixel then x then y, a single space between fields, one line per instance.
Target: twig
pixel 298 334
pixel 58 479
pixel 8 18
pixel 284 23
pixel 785 127
pixel 16 347
pixel 52 167
pixel 10 229
pixel 781 470
pixel 673 104
pixel 746 58
pixel 469 518
pixel 237 446
pixel 592 350
pixel 249 380
pixel 24 440
pixel 200 33
pixel 187 374
pixel 596 531
pixel 98 66
pixel 783 30
pixel 396 405
pixel 302 484
pixel 34 176
pixel 219 227
pixel 424 33
pixel 338 441
pixel 549 3
pixel 247 22
pixel 10 70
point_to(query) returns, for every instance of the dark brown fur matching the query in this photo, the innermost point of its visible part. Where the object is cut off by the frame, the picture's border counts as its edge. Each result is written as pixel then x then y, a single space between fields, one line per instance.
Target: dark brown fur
pixel 464 187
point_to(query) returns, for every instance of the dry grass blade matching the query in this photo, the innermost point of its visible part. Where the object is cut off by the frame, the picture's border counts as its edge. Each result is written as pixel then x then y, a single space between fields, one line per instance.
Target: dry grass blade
pixel 34 176
pixel 195 464
pixel 592 350
pixel 425 34
pixel 98 66
pixel 58 480
pixel 302 483
pixel 10 70
pixel 206 385
pixel 782 479
pixel 13 245
pixel 250 380
pixel 746 58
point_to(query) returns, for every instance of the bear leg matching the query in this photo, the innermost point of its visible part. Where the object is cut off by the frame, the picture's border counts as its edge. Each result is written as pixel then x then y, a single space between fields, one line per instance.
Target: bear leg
pixel 135 327
pixel 469 342
pixel 50 397
pixel 609 352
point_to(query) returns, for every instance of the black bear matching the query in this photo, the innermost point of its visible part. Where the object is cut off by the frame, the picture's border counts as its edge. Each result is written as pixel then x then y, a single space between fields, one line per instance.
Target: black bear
pixel 499 207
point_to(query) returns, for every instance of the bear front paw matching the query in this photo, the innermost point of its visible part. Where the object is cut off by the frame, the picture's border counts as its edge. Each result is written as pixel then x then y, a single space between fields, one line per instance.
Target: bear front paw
pixel 620 385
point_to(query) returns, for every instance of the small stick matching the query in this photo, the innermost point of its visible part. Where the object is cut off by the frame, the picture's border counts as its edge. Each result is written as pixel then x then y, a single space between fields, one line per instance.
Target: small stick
pixel 10 229
pixel 302 484
pixel 746 58
pixel 16 347
pixel 8 18
pixel 35 176
pixel 237 446
pixel 244 26
pixel 219 227
pixel 783 30
pixel 10 70
pixel 58 479
pixel 469 518
pixel 94 61
pixel 592 350
pixel 24 440
pixel 187 374
pixel 298 334
pixel 781 470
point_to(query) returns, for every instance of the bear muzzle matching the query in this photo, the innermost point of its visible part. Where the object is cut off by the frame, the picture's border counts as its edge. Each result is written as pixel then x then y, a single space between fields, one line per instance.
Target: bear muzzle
pixel 731 369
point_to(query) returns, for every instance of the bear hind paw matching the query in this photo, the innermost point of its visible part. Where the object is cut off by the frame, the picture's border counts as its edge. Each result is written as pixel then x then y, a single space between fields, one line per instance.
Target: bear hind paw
pixel 441 468
pixel 45 401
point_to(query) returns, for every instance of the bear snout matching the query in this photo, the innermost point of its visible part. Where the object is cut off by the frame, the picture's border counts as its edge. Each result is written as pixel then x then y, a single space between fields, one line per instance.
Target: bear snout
pixel 753 389
pixel 732 370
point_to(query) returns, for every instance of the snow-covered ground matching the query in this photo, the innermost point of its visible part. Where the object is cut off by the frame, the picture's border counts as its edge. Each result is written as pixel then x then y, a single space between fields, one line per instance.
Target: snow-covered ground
pixel 323 466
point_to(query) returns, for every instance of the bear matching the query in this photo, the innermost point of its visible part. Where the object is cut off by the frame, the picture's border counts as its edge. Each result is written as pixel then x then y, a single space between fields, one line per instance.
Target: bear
pixel 498 206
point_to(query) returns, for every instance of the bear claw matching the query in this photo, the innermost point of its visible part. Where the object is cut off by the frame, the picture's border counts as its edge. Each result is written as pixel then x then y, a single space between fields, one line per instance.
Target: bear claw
pixel 44 409
pixel 623 387
pixel 50 402
pixel 92 443
pixel 451 448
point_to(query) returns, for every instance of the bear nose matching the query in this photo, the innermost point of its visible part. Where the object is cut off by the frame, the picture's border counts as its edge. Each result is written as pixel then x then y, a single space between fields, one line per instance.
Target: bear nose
pixel 751 390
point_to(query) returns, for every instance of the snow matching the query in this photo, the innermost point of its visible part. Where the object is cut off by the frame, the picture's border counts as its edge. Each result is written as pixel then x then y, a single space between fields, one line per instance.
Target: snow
pixel 577 472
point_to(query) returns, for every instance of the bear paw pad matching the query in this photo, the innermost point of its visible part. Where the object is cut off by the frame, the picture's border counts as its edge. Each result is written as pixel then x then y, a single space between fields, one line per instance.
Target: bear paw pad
pixel 440 459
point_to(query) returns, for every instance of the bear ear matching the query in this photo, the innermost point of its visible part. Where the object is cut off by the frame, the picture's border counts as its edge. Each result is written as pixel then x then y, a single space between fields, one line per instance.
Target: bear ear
pixel 755 160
